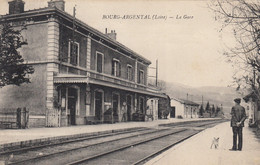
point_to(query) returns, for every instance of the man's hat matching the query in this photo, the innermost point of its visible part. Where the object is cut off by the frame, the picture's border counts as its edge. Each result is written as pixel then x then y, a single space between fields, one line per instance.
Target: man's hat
pixel 237 100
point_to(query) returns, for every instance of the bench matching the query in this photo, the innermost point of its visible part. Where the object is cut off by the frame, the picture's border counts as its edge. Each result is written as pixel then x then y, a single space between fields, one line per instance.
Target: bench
pixel 8 119
pixel 8 124
pixel 92 121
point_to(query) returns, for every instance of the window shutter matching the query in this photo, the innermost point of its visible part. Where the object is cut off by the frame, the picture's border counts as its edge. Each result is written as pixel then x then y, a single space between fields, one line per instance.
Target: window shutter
pixel 70 58
pixel 139 73
pixel 131 74
pixel 76 50
pixel 74 53
pixel 119 70
pixel 99 63
pixel 113 68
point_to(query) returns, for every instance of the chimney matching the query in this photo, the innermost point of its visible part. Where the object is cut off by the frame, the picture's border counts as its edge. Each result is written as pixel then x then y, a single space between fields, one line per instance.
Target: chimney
pixel 16 6
pixel 59 4
pixel 112 34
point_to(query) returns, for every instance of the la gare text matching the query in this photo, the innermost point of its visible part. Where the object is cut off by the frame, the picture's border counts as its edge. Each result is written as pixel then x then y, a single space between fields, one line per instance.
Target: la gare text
pixel 146 17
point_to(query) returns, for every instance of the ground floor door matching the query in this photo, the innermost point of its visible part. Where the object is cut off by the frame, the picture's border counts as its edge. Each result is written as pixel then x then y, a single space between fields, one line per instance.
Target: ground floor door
pixel 98 105
pixel 141 105
pixel 72 101
pixel 115 107
pixel 172 113
pixel 129 107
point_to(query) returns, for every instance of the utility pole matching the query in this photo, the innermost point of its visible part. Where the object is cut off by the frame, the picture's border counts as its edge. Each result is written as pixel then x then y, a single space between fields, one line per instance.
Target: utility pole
pixel 202 101
pixel 156 72
pixel 73 35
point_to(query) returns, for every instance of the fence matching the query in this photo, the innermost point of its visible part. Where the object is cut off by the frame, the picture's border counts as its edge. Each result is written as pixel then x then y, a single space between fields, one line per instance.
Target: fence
pixel 54 118
pixel 14 118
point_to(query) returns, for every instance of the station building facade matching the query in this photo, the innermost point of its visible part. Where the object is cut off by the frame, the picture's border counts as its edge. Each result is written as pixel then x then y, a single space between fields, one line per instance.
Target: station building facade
pixel 184 108
pixel 81 75
pixel 253 109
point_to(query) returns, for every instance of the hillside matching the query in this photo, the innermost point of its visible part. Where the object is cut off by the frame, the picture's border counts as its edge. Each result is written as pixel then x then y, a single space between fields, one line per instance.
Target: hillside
pixel 215 95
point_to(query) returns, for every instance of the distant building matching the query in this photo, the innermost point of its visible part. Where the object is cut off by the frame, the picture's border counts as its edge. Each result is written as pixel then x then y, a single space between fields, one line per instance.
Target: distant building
pixel 81 75
pixel 253 109
pixel 184 108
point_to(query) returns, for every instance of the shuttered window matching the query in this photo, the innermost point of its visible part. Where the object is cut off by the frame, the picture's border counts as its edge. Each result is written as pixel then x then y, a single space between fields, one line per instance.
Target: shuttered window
pixel 141 77
pixel 116 68
pixel 99 62
pixel 129 72
pixel 73 53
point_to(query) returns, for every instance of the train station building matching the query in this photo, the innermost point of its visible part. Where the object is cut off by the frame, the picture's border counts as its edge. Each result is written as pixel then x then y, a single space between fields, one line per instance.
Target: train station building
pixel 183 108
pixel 82 76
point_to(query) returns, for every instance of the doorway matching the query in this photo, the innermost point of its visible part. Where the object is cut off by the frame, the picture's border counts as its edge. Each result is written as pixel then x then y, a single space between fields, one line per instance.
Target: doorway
pixel 72 102
pixel 115 107
pixel 129 107
pixel 98 105
pixel 172 114
pixel 141 105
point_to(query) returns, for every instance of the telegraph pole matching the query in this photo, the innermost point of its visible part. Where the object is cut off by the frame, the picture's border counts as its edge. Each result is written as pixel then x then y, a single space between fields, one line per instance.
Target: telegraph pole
pixel 156 72
pixel 73 35
pixel 202 100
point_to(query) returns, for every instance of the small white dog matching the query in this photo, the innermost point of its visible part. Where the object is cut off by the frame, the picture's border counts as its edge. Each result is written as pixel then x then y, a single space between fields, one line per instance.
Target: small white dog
pixel 215 142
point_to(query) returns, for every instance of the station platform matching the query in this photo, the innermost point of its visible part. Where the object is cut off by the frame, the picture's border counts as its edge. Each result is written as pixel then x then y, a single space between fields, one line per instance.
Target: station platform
pixel 17 137
pixel 197 151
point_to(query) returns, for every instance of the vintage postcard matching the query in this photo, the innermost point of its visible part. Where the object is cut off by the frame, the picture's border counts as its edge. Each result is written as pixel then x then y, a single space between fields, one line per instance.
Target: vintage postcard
pixel 129 82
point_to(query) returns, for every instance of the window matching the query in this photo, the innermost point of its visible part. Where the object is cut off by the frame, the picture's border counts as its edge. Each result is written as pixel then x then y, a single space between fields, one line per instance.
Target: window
pixel 73 53
pixel 130 72
pixel 141 77
pixel 116 68
pixel 99 66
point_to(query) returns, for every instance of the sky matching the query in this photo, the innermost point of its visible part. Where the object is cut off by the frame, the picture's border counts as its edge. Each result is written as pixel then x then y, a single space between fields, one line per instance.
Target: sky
pixel 183 35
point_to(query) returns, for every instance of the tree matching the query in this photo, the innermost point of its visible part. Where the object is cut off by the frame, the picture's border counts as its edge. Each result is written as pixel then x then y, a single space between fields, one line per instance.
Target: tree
pixel 207 108
pixel 201 110
pixel 217 110
pixel 243 17
pixel 213 110
pixel 13 71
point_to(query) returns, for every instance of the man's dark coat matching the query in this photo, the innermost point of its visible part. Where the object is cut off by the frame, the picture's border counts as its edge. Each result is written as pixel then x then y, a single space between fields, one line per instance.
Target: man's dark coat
pixel 238 114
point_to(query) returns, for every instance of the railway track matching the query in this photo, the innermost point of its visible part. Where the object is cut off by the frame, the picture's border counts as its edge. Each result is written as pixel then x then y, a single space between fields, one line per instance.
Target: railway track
pixel 126 147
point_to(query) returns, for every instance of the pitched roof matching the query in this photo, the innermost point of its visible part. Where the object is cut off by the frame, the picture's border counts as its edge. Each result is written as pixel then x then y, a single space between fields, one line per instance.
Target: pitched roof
pixel 250 95
pixel 186 102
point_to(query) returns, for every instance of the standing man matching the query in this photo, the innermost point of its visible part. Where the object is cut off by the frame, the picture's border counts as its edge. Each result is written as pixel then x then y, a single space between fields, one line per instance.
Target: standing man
pixel 238 116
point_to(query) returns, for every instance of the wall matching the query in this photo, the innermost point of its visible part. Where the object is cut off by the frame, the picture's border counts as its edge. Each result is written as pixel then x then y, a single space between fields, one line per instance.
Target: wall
pixel 179 108
pixel 36 36
pixel 36 122
pixel 65 37
pixel 143 67
pixel 192 111
pixel 31 96
pixel 109 54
